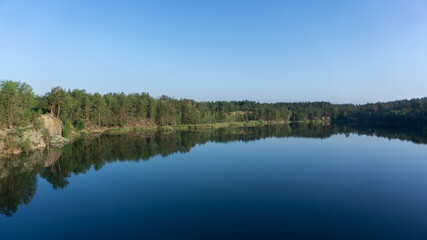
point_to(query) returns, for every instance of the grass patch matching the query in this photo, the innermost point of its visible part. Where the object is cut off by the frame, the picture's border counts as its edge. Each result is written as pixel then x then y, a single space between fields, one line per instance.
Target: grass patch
pixel 115 131
pixel 190 127
pixel 143 129
pixel 165 129
pixel 220 125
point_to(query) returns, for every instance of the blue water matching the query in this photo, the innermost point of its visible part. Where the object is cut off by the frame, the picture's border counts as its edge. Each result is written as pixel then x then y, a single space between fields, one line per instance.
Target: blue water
pixel 355 187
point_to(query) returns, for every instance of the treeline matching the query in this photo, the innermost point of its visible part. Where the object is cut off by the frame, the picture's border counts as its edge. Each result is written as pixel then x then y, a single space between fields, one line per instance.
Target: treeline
pixel 19 106
pixel 410 113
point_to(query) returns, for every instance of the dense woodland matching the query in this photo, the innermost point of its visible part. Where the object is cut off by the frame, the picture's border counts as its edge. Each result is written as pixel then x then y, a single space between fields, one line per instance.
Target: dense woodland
pixel 19 106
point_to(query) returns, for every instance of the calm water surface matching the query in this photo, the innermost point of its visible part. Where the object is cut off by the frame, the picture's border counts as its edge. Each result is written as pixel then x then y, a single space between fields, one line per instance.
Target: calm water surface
pixel 244 183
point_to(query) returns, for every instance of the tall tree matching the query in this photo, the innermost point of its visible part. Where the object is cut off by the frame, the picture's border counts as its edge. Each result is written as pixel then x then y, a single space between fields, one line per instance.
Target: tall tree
pixel 98 104
pixel 16 100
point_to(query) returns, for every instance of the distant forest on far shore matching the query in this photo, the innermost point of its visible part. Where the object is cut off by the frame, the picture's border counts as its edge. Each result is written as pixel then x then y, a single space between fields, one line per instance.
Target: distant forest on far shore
pixel 19 106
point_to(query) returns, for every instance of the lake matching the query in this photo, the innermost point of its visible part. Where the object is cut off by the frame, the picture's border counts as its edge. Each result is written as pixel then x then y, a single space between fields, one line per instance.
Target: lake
pixel 273 182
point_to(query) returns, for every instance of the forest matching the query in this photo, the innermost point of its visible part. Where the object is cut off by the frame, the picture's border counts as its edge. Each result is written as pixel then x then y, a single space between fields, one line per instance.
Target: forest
pixel 19 106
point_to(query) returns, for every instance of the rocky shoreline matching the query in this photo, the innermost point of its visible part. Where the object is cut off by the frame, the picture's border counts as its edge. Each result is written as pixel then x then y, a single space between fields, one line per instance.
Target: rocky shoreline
pixel 24 139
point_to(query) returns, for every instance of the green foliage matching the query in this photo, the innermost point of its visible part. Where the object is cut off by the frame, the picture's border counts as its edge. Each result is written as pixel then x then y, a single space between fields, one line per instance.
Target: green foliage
pixel 118 131
pixel 54 100
pixel 165 129
pixel 144 128
pixel 46 136
pixel 16 103
pixel 98 106
pixel 66 131
pixel 38 123
pixel 18 106
pixel 17 133
pixel 25 145
pixel 261 122
pixel 79 124
pixel 16 140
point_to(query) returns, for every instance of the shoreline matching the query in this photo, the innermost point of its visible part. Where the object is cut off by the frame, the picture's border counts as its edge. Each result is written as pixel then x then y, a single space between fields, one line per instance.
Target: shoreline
pixel 196 127
pixel 74 135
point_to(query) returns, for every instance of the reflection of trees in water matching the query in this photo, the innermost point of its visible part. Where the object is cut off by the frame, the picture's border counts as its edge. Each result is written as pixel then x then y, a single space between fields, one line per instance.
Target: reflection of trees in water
pixel 55 176
pixel 18 184
pixel 15 191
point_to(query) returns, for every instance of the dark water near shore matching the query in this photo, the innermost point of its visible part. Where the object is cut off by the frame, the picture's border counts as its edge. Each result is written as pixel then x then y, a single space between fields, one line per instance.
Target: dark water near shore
pixel 274 182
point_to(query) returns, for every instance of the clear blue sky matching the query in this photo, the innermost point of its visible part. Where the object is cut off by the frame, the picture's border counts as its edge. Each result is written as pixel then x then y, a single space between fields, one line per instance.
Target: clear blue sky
pixel 339 51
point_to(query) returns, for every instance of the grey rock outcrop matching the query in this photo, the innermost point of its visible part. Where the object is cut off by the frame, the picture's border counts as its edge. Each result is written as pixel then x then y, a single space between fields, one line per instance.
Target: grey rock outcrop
pixel 36 138
pixel 13 141
pixel 52 124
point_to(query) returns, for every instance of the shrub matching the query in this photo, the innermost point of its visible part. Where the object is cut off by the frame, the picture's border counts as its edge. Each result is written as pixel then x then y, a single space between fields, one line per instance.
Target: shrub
pixel 165 129
pixel 66 132
pixel 25 145
pixel 79 124
pixel 262 122
pixel 84 134
pixel 46 136
pixel 38 123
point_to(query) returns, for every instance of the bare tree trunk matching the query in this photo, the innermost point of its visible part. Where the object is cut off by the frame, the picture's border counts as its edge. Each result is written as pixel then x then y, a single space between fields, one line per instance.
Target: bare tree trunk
pixel 9 118
pixel 59 109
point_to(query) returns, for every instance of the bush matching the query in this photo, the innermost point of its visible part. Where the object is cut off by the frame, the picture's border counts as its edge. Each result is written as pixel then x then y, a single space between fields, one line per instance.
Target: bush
pixel 79 124
pixel 66 132
pixel 25 145
pixel 17 132
pixel 236 124
pixel 262 122
pixel 46 136
pixel 38 123
pixel 165 129
pixel 84 134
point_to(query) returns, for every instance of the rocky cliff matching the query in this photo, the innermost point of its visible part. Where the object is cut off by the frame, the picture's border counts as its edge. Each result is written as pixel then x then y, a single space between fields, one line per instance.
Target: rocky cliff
pixel 52 124
pixel 23 139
